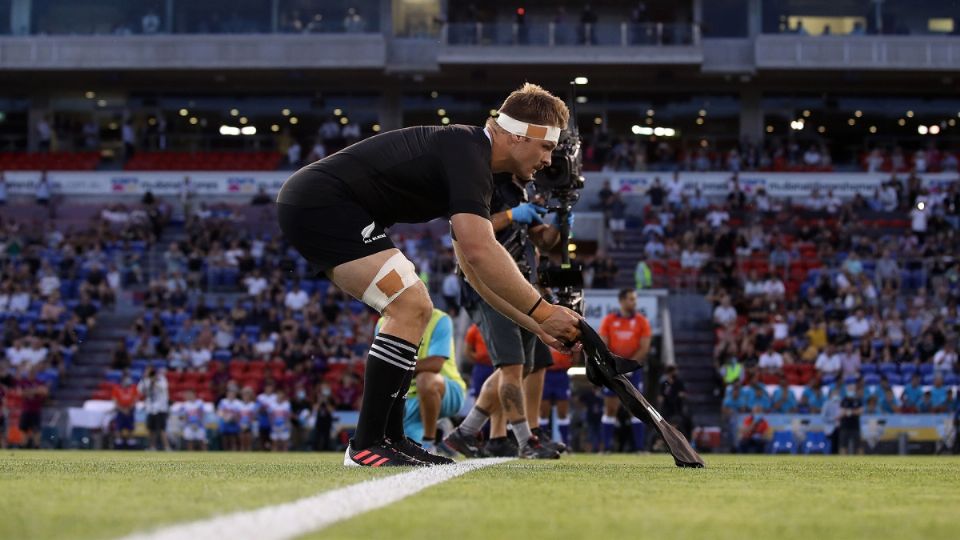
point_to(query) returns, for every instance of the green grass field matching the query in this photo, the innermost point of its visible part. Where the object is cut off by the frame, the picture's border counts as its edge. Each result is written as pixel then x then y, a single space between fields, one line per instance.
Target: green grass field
pixel 107 494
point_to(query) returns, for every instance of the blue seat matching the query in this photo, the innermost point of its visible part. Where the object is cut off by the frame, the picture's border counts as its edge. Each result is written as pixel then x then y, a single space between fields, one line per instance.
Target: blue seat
pixel 113 375
pixel 926 369
pixel 783 443
pixel 928 379
pixel 868 369
pixel 828 380
pixel 140 363
pixel 887 367
pixel 221 354
pixel 894 378
pixel 158 363
pixel 951 379
pixel 816 442
pixel 907 370
pixel 871 379
pixel 850 380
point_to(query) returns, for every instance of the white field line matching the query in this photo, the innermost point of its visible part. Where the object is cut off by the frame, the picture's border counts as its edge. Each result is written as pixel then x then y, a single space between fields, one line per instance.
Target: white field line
pixel 296 518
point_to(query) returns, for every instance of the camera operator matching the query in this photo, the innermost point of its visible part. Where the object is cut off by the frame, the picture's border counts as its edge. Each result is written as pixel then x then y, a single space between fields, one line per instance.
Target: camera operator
pixel 519 226
pixel 155 393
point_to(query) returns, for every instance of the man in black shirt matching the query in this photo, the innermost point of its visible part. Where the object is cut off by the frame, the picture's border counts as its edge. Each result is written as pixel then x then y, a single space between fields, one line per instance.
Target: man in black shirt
pixel 851 407
pixel 335 212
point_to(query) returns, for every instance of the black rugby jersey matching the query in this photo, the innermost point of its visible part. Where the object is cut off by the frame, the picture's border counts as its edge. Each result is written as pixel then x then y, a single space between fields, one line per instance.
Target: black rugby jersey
pixel 410 175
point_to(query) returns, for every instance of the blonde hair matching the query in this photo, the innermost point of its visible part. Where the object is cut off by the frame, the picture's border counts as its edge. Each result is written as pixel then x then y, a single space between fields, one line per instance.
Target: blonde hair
pixel 532 104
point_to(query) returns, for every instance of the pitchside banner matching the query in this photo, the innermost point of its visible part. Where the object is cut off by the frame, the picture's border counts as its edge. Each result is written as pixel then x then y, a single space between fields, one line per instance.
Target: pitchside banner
pixel 206 183
pixel 777 185
pixel 599 302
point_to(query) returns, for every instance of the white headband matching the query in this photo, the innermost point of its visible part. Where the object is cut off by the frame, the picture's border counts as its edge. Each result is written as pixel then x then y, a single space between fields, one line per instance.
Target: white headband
pixel 534 131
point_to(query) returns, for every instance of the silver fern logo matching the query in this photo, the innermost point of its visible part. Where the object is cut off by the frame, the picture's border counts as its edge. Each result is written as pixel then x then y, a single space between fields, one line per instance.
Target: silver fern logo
pixel 368 230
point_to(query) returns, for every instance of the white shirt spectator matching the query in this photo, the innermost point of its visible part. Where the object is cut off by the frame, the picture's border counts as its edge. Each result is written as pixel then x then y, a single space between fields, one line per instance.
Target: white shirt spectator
pixel 774 287
pixel 113 279
pixel 34 356
pixel 771 360
pixel 725 315
pixel 832 204
pixel 232 256
pixel 654 248
pixel 296 300
pixel 48 284
pixel 690 259
pixel 293 154
pixel 781 330
pixel 263 348
pixel 828 364
pixel 4 301
pixel 888 197
pixel 842 281
pixel 918 220
pixel 156 395
pixel 753 287
pixel 716 218
pixel 675 191
pixel 200 357
pixel 944 360
pixel 451 286
pixel 255 285
pixel 19 302
pixel 857 327
pixel 15 355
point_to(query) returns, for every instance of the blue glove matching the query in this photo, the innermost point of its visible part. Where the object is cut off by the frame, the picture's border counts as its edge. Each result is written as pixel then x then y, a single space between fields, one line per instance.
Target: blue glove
pixel 527 213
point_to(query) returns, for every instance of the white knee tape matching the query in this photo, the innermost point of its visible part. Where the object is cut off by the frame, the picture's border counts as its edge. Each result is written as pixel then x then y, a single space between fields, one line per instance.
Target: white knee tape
pixel 395 276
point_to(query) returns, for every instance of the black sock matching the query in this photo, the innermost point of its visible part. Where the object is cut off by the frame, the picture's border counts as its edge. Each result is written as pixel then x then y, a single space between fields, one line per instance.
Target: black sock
pixel 389 362
pixel 399 410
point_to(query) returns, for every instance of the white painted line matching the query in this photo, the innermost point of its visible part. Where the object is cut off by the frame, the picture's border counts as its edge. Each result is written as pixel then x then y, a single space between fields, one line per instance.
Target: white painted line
pixel 296 518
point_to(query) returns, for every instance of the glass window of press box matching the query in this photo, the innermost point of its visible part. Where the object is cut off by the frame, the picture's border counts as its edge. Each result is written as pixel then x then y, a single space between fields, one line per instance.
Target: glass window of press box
pixel 547 23
pixel 127 17
pixel 861 17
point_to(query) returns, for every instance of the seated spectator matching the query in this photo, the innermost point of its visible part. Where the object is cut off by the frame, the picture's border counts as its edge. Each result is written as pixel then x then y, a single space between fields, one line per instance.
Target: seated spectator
pixel 945 360
pixel 264 347
pixel 296 299
pixel 734 402
pixel 771 362
pixel 753 286
pixel 857 325
pixel 242 348
pixel 850 361
pixel 783 399
pixel 255 283
pixel 179 358
pixel 86 311
pixel 890 404
pixel 199 357
pixel 52 309
pixel 20 299
pixel 811 400
pixel 753 432
pixel 773 288
pixel 830 362
pixel 939 395
pixel 725 314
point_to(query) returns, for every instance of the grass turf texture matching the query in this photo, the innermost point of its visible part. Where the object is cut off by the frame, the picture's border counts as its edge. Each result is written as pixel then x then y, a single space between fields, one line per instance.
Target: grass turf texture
pixel 108 494
pixel 102 495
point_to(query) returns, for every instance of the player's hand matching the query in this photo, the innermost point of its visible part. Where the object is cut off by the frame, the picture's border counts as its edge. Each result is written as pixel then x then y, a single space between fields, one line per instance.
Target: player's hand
pixel 562 329
pixel 527 213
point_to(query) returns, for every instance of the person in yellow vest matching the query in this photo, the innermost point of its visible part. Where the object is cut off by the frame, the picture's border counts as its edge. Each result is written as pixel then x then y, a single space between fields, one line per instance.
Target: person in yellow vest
pixel 437 389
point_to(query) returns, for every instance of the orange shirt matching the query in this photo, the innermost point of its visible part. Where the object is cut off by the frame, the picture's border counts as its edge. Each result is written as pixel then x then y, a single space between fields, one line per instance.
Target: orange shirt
pixel 125 397
pixel 561 362
pixel 475 340
pixel 623 335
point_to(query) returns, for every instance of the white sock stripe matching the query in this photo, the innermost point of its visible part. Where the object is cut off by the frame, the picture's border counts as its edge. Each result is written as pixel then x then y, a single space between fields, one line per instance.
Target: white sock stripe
pixel 403 346
pixel 297 518
pixel 391 354
pixel 389 361
pixel 394 349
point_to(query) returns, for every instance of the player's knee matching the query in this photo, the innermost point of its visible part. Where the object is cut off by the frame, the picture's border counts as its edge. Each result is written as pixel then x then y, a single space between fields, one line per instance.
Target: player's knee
pixel 413 306
pixel 512 374
pixel 427 383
